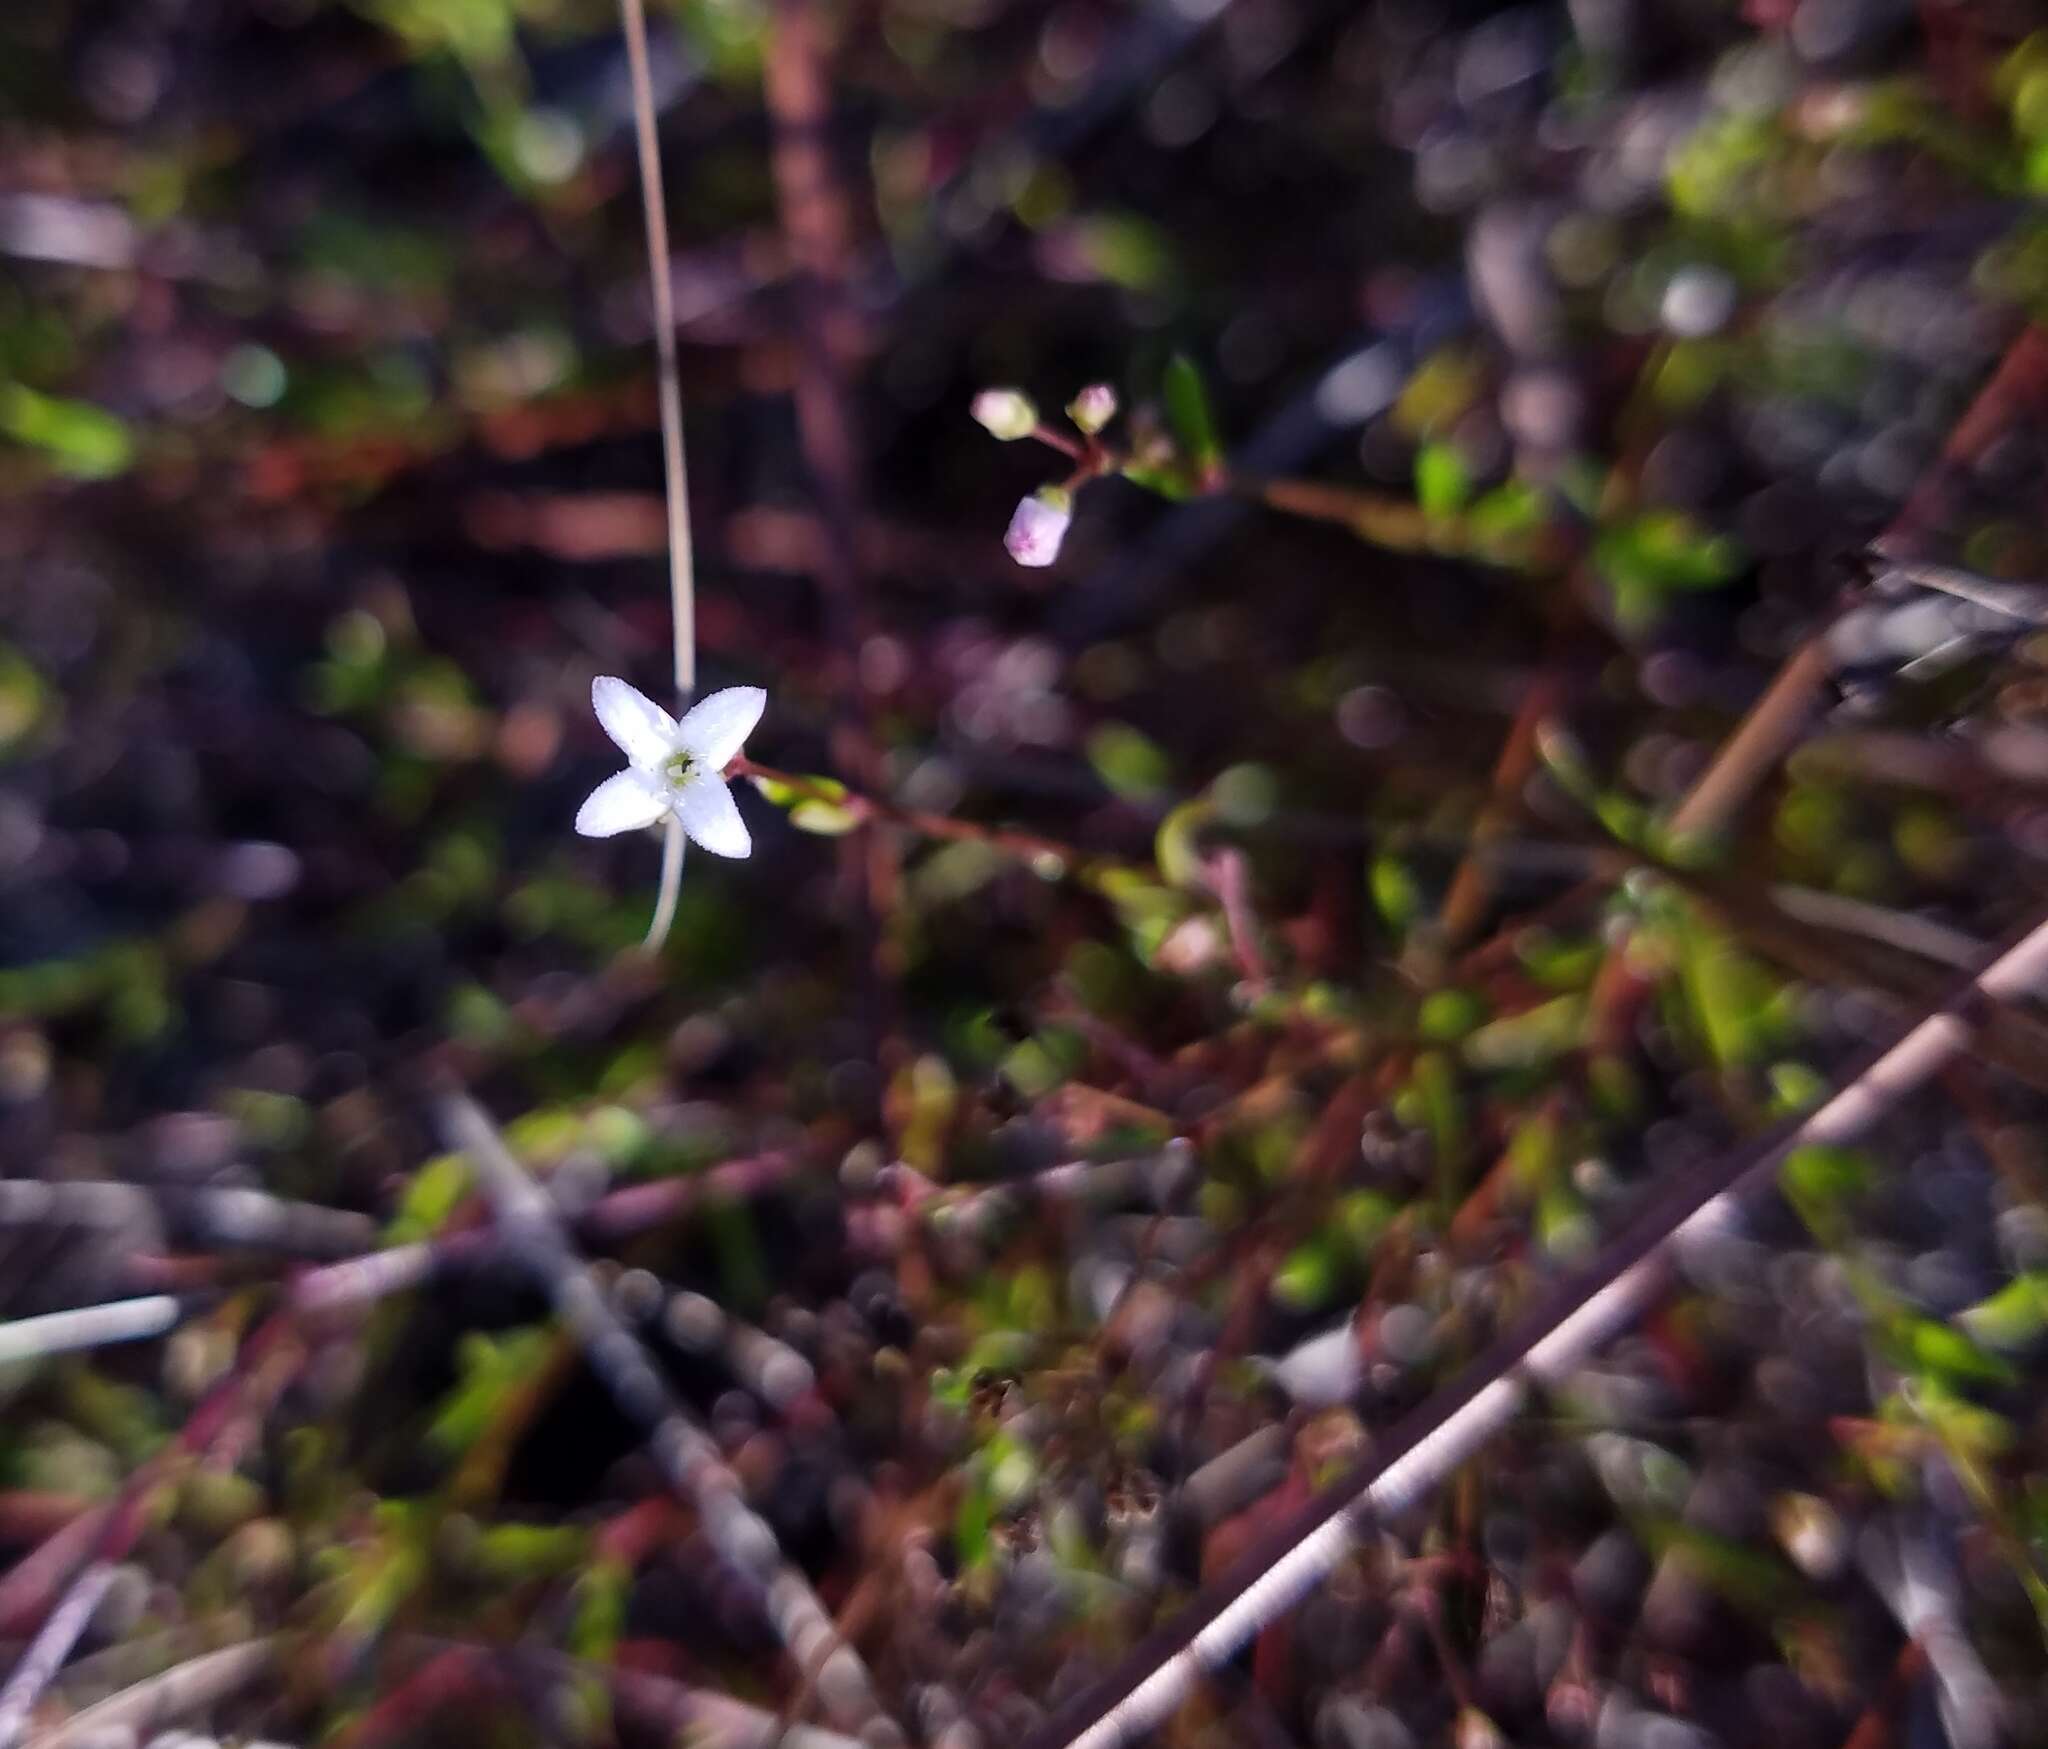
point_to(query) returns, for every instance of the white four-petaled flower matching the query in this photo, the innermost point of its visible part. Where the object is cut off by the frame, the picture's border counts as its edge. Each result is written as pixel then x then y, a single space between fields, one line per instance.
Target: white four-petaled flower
pixel 672 767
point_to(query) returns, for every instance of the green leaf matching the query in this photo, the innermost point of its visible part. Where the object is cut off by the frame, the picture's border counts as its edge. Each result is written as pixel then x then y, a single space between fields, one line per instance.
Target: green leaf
pixel 1941 1348
pixel 1662 551
pixel 512 1553
pixel 25 699
pixel 1126 250
pixel 1362 1217
pixel 816 804
pixel 1535 1036
pixel 1129 761
pixel 1509 511
pixel 1448 1015
pixel 1559 962
pixel 1443 483
pixel 971 1525
pixel 431 1196
pixel 598 1608
pixel 81 440
pixel 1191 414
pixel 1730 996
pixel 1395 890
pixel 1171 483
pixel 1308 1276
pixel 1819 1180
pixel 1436 1082
pixel 1796 1088
pixel 1176 846
pixel 2014 1316
pixel 492 1368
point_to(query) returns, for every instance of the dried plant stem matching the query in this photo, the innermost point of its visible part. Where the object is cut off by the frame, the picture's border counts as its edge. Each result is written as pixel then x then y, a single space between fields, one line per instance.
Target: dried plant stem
pixel 1902 977
pixel 867 809
pixel 237 1219
pixel 1471 888
pixel 698 1714
pixel 1776 719
pixel 1401 526
pixel 189 1687
pixel 1759 740
pixel 689 1459
pixel 1903 1571
pixel 675 468
pixel 1878 1725
pixel 682 576
pixel 1552 1340
pixel 124 1521
pixel 89 1327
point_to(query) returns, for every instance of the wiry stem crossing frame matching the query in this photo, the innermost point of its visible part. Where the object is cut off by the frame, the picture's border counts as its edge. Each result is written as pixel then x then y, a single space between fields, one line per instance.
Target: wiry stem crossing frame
pixel 682 576
pixel 1555 1337
pixel 690 1461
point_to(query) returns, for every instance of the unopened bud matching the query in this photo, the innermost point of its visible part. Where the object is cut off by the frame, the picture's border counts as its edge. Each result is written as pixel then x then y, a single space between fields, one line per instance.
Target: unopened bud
pixel 1005 413
pixel 1038 527
pixel 1093 408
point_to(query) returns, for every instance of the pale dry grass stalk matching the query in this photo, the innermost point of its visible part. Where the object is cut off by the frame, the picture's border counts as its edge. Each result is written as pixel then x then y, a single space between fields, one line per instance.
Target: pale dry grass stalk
pixel 682 578
pixel 689 1459
pixel 1550 1342
pixel 185 1688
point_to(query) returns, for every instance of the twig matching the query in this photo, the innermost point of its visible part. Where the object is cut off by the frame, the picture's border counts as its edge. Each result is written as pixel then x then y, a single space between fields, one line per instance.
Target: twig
pixel 1901 930
pixel 119 1527
pixel 689 1459
pixel 682 582
pixel 184 1688
pixel 867 808
pixel 89 1327
pixel 1902 977
pixel 660 284
pixel 230 1218
pixel 679 1711
pixel 1774 722
pixel 1229 877
pixel 1772 725
pixel 1472 886
pixel 1902 1570
pixel 1554 1338
pixel 1876 1728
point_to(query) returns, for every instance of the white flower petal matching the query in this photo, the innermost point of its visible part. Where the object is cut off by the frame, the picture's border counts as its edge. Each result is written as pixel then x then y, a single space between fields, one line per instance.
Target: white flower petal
pixel 710 816
pixel 620 803
pixel 717 727
pixel 646 733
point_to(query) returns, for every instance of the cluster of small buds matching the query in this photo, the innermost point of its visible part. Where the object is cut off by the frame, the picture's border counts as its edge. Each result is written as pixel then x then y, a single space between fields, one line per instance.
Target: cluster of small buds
pixel 1041 521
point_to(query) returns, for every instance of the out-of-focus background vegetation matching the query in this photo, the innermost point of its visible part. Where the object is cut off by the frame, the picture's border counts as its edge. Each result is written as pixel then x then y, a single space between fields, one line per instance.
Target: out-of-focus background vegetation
pixel 1507 391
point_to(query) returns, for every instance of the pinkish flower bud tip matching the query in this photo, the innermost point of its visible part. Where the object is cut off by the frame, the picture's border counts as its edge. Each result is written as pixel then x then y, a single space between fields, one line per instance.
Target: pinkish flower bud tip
pixel 1039 526
pixel 1093 408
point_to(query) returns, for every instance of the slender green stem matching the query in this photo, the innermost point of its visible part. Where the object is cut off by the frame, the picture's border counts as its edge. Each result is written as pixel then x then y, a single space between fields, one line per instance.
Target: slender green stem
pixel 675 471
pixel 682 584
pixel 671 884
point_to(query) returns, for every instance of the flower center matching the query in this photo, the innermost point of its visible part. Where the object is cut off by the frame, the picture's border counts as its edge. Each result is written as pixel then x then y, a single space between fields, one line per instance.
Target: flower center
pixel 679 768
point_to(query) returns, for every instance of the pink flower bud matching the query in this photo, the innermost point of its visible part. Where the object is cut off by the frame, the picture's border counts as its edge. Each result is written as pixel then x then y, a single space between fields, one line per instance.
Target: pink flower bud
pixel 1039 526
pixel 1093 408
